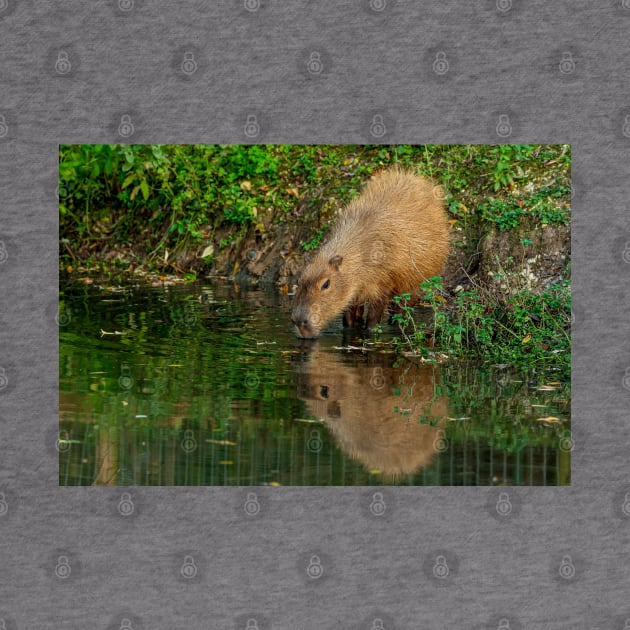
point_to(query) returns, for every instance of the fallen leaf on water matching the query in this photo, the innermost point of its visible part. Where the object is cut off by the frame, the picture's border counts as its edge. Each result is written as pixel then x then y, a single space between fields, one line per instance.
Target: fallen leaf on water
pixel 226 462
pixel 548 419
pixel 526 339
pixel 222 443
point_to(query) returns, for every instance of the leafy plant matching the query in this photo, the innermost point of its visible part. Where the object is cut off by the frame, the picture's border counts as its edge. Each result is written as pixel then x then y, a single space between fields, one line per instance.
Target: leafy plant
pixel 522 329
pixel 314 242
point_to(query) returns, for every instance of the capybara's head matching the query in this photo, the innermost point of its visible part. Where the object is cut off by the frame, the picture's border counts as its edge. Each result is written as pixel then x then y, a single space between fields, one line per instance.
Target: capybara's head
pixel 324 290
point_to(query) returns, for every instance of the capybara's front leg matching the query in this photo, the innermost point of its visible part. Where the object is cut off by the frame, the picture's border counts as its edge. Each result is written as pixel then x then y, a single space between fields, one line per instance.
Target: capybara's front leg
pixel 353 315
pixel 375 312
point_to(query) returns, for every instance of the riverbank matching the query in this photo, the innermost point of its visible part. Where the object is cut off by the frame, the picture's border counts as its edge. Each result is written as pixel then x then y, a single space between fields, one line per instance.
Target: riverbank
pixel 254 215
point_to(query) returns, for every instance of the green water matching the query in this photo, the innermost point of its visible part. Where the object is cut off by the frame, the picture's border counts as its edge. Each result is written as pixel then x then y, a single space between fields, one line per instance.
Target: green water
pixel 207 385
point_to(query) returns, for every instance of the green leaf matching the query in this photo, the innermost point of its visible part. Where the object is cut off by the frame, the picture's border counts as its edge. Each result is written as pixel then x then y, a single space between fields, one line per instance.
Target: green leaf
pixel 144 187
pixel 128 180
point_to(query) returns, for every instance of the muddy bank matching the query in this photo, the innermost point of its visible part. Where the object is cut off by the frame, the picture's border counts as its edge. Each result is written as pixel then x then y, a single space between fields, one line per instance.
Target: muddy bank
pixel 260 213
pixel 532 256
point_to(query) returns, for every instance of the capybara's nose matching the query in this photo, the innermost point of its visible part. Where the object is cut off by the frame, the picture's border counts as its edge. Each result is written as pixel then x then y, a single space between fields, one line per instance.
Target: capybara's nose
pixel 299 318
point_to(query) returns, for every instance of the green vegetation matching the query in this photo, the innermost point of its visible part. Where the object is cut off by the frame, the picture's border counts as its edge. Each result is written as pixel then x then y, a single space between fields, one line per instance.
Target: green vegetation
pixel 188 208
pixel 314 243
pixel 141 201
pixel 521 329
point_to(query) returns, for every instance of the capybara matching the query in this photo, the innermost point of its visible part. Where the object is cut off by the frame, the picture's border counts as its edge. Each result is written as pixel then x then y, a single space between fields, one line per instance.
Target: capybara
pixel 385 243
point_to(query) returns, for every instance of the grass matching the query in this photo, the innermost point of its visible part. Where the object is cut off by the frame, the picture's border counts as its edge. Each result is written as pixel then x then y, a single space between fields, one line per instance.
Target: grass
pixel 520 329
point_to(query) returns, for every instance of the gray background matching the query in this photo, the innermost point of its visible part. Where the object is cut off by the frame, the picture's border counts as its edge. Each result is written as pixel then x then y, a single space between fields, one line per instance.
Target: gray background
pixel 125 58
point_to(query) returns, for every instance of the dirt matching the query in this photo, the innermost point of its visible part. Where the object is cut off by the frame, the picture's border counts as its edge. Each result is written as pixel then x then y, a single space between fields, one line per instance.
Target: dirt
pixel 495 259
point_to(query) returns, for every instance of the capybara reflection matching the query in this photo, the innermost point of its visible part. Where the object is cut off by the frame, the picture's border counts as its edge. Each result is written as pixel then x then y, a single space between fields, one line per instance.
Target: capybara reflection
pixel 385 243
pixel 383 416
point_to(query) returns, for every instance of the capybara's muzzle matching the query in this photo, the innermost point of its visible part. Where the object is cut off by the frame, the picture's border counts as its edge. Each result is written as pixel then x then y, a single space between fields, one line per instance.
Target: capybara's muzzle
pixel 305 327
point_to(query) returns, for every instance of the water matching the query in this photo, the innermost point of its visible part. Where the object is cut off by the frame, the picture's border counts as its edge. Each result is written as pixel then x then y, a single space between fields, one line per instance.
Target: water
pixel 207 385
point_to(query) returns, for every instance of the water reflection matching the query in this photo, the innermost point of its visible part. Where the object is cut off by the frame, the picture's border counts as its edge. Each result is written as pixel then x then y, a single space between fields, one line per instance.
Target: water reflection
pixel 160 387
pixel 381 411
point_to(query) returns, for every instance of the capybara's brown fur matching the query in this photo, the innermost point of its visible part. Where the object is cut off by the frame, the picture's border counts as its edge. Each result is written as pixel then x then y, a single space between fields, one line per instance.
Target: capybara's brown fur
pixel 385 243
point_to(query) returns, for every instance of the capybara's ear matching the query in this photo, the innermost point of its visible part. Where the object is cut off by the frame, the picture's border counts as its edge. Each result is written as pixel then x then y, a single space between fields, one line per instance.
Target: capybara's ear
pixel 335 261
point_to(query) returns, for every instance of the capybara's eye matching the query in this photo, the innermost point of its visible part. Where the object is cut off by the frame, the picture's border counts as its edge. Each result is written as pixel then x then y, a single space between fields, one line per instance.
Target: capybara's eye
pixel 326 285
pixel 323 391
